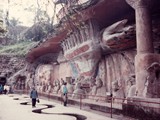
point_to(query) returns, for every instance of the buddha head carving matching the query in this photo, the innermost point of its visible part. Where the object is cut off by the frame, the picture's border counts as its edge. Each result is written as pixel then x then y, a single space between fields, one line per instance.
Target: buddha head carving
pixel 115 86
pixel 99 83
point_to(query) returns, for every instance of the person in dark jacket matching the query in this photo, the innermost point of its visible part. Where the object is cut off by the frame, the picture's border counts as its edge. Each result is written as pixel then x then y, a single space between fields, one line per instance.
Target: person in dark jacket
pixel 34 96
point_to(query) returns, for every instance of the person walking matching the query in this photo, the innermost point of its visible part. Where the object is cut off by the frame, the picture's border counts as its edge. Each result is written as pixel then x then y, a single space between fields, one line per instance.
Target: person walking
pixel 1 89
pixel 34 96
pixel 65 91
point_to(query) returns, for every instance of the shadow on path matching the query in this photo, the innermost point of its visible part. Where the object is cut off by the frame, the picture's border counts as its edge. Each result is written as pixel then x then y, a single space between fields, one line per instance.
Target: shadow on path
pixel 39 111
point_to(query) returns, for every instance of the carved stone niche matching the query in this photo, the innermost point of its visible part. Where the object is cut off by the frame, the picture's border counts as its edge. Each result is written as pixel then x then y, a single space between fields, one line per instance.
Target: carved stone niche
pixel 43 75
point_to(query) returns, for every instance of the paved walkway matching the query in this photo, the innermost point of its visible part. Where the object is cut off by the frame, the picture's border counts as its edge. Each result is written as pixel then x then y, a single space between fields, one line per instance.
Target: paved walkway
pixel 18 107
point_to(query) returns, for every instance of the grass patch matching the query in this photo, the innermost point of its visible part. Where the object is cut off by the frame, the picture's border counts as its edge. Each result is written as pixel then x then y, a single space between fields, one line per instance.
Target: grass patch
pixel 20 49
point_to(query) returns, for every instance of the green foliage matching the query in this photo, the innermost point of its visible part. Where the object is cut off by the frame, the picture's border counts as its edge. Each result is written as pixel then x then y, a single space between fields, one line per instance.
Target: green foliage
pixel 19 49
pixel 14 22
pixel 37 32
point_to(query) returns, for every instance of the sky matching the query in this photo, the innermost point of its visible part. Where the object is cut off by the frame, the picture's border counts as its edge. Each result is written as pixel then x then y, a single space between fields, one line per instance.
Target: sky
pixel 19 9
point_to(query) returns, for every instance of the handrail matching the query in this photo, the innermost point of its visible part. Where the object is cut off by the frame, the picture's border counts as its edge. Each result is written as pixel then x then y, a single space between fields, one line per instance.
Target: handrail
pixel 111 101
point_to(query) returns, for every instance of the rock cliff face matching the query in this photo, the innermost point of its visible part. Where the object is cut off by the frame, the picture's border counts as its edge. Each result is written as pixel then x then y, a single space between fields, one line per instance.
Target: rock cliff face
pixel 12 67
pixel 11 64
pixel 91 65
pixel 86 64
pixel 92 59
pixel 117 67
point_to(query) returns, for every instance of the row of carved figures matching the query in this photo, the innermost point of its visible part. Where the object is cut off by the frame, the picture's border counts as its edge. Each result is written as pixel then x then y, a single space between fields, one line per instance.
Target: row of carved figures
pixel 76 38
pixel 75 87
pixel 148 88
pixel 121 88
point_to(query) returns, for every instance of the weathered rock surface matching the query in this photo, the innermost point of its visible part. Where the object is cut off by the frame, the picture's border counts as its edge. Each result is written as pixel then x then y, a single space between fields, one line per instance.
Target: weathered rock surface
pixel 11 64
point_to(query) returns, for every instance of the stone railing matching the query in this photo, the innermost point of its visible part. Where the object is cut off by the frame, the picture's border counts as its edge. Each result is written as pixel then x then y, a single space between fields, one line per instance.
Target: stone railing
pixel 73 8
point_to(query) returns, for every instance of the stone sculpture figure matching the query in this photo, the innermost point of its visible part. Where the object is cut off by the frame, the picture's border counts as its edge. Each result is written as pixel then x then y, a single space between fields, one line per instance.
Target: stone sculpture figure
pixel 61 82
pixel 56 86
pixel 131 87
pixel 78 91
pixel 99 83
pixel 28 80
pixel 23 84
pixel 117 91
pixel 132 91
pixel 17 84
pixel 152 84
pixel 100 89
pixel 79 79
pixel 49 87
pixel 82 35
pixel 71 41
pixel 93 89
pixel 140 87
pixel 69 85
pixel 64 45
pixel 67 45
pixel 77 38
pixel 39 86
pixel 74 41
pixel 43 87
pixel 87 33
pixel 97 89
pixel 61 86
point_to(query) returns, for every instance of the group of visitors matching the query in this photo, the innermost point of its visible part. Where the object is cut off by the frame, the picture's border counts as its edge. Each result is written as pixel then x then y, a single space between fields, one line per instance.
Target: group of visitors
pixel 34 95
pixel 3 90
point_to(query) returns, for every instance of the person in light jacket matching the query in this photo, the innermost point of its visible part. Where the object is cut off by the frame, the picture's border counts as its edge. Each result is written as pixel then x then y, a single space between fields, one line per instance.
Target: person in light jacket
pixel 34 96
pixel 65 91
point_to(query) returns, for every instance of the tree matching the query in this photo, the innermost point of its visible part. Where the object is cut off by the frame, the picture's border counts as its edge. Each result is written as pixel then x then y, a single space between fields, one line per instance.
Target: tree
pixel 14 22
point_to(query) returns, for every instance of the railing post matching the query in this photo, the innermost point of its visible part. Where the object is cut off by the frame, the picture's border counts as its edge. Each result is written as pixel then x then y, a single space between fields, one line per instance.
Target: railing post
pixel 111 104
pixel 61 99
pixel 40 94
pixel 48 96
pixel 80 101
